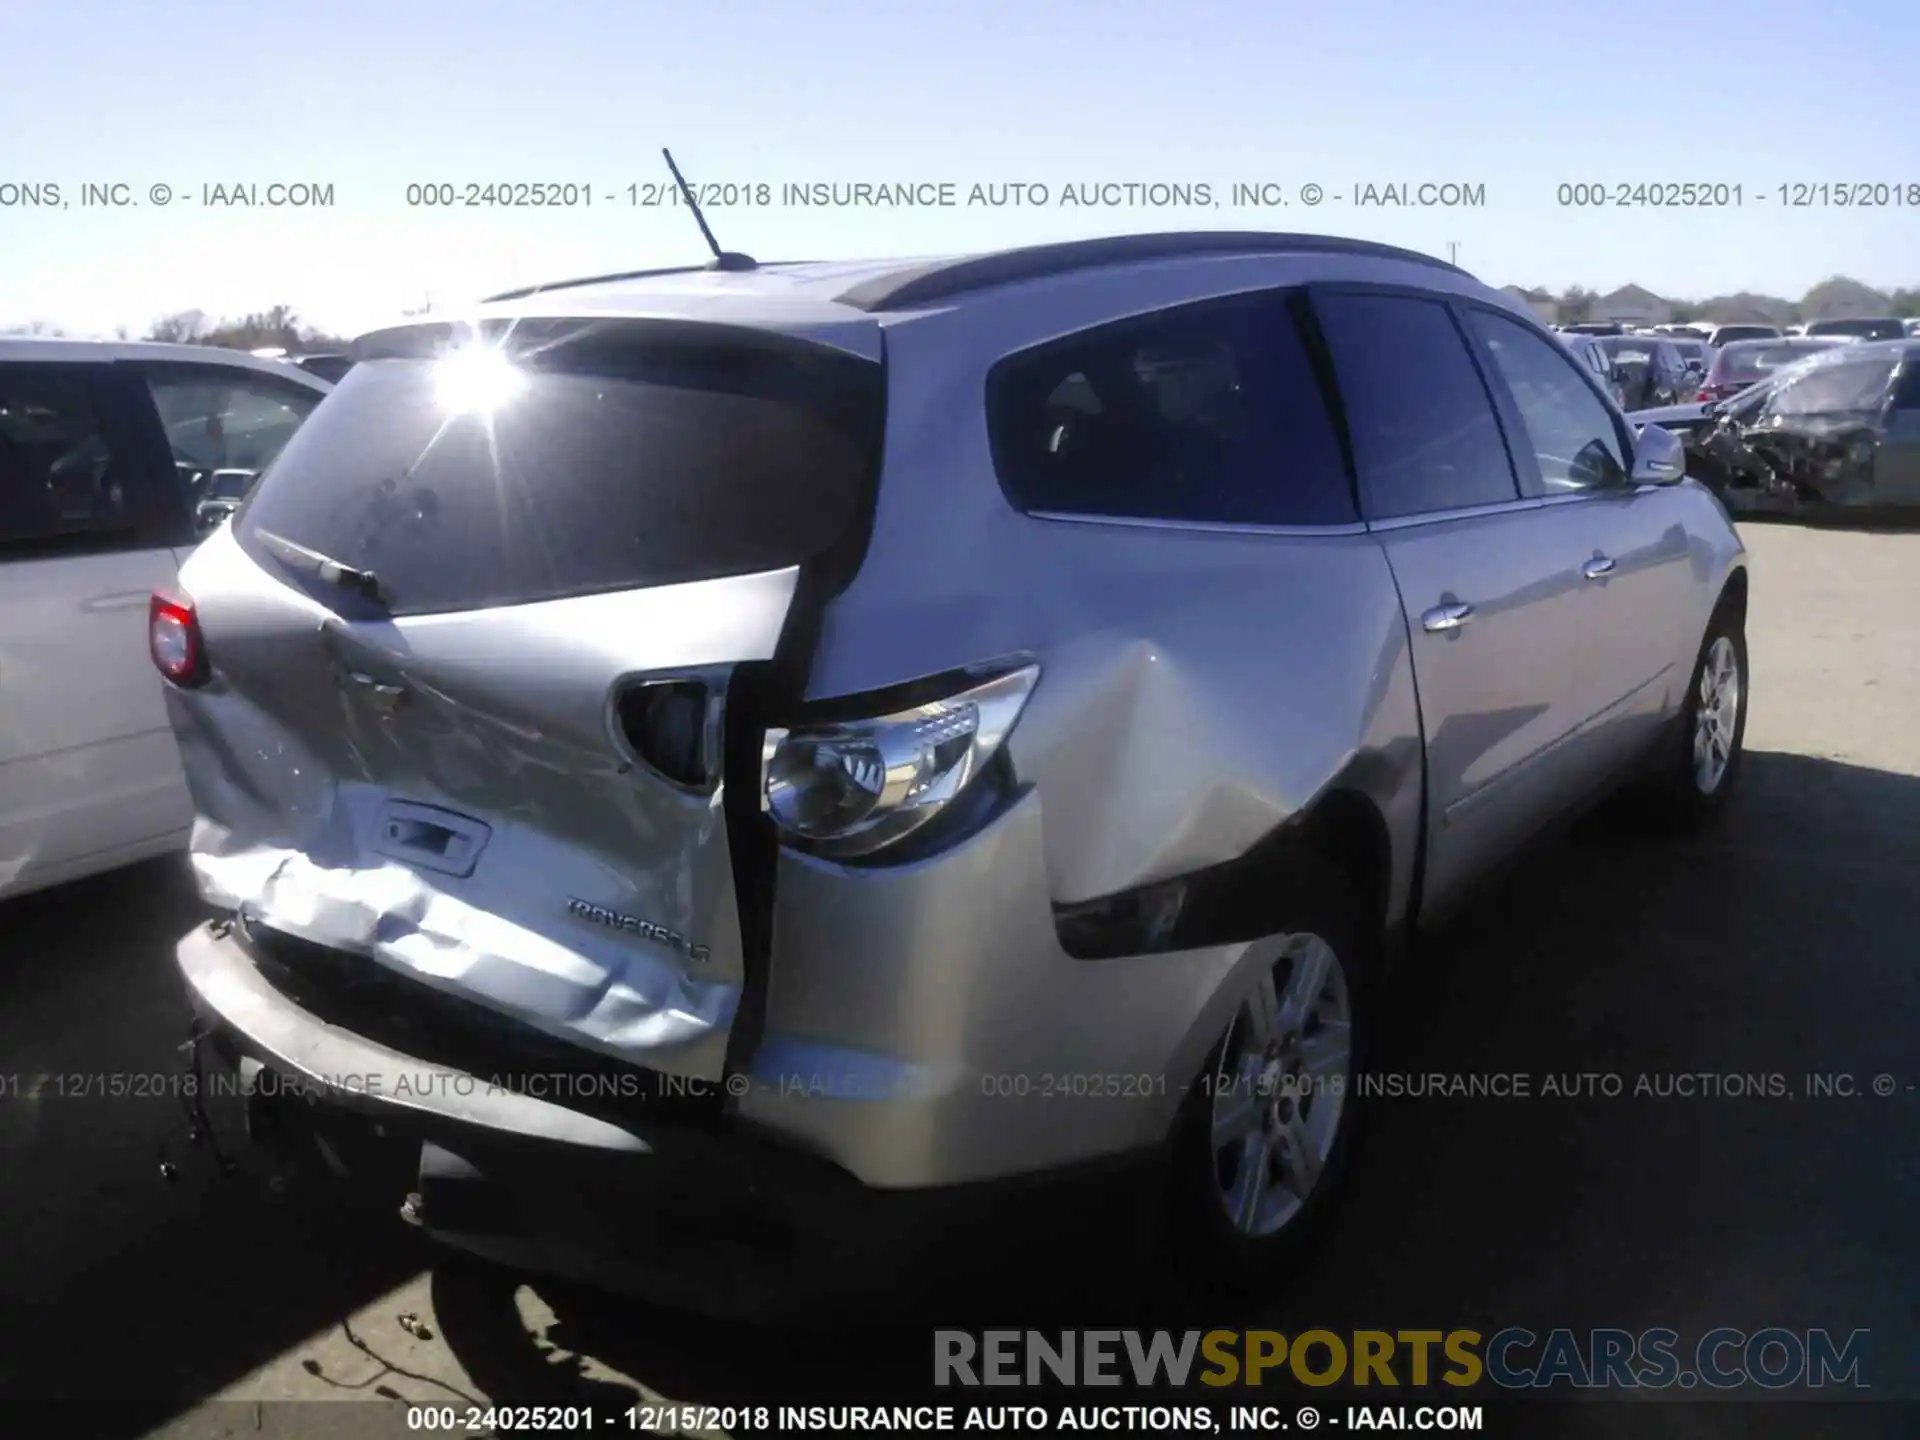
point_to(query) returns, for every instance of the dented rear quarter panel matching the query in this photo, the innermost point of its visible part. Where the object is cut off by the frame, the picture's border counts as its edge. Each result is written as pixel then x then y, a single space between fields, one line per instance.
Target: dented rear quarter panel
pixel 1199 688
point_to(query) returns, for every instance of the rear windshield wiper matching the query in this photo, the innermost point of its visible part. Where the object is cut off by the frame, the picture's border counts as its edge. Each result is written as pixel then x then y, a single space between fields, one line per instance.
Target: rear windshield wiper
pixel 362 582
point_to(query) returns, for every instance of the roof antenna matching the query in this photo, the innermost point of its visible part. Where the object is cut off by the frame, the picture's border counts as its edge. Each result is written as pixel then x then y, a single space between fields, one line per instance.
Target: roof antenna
pixel 722 259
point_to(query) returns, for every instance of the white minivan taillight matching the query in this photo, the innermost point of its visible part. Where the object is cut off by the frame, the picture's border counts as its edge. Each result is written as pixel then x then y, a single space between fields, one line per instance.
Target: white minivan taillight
pixel 173 639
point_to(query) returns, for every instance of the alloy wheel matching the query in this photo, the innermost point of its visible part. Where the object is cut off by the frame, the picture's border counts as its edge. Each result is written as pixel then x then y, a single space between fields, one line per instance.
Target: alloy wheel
pixel 1716 715
pixel 1281 1088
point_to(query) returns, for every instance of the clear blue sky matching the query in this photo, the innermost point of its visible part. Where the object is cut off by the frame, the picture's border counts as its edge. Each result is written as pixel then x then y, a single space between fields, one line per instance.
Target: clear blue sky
pixel 368 97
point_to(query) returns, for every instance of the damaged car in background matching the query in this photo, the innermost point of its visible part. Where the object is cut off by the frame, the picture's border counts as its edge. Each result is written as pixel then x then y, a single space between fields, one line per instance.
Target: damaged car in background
pixel 779 748
pixel 1840 429
pixel 1742 364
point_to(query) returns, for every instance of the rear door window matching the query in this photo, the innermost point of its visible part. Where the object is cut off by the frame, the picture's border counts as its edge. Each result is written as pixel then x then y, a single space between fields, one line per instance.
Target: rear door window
pixel 1205 413
pixel 223 423
pixel 1425 435
pixel 587 459
pixel 64 478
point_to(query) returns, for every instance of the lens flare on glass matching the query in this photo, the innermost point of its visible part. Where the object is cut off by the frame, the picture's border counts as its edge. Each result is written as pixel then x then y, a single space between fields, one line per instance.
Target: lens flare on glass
pixel 476 380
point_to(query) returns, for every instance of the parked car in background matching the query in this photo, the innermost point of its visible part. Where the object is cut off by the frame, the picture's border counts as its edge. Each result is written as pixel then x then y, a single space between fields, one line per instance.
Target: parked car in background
pixel 1722 335
pixel 1589 352
pixel 1913 325
pixel 106 452
pixel 330 368
pixel 1696 355
pixel 1839 430
pixel 1650 369
pixel 1745 362
pixel 1595 327
pixel 1883 328
pixel 1686 331
pixel 221 496
pixel 840 679
pixel 1699 425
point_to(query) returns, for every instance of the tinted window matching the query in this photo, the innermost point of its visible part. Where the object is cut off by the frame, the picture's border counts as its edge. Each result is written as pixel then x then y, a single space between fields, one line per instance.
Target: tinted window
pixel 1570 431
pixel 1727 333
pixel 225 419
pixel 1209 412
pixel 1746 363
pixel 1834 388
pixel 598 459
pixel 58 474
pixel 1424 433
pixel 1865 329
pixel 1906 395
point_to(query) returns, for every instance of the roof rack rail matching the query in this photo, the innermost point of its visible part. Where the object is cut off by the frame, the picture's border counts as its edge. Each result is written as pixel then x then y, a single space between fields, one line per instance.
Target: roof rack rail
pixel 945 279
pixel 528 290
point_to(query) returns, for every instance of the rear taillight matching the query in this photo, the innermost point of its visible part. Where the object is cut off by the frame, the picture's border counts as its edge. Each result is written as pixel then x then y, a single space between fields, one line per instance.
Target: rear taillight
pixel 173 639
pixel 856 786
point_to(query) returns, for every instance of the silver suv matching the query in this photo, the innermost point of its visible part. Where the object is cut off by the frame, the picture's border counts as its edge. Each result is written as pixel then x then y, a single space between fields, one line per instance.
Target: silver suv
pixel 728 778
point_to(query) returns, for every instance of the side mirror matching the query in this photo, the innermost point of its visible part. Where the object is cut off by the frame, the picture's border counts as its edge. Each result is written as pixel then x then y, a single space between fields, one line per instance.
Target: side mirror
pixel 1659 458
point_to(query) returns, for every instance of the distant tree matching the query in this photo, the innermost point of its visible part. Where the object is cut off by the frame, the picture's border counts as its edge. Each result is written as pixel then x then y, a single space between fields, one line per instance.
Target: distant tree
pixel 36 327
pixel 1576 303
pixel 121 332
pixel 1684 311
pixel 183 327
pixel 1906 303
pixel 1745 306
pixel 1838 295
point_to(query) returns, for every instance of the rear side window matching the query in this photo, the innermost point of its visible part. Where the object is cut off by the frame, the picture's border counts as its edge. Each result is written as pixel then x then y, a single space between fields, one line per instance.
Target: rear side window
pixel 1906 394
pixel 608 458
pixel 1425 437
pixel 1862 329
pixel 59 476
pixel 1749 363
pixel 1209 412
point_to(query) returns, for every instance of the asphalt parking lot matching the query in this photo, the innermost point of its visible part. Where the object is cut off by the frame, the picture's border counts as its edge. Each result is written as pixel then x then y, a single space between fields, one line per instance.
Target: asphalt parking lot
pixel 1785 942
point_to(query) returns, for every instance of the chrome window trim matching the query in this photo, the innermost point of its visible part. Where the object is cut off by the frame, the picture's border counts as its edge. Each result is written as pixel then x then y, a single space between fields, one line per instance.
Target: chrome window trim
pixel 1464 512
pixel 1211 527
pixel 1591 492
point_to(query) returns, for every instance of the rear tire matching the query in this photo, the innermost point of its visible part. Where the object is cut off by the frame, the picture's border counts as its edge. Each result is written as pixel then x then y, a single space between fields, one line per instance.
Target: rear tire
pixel 1264 1139
pixel 1698 769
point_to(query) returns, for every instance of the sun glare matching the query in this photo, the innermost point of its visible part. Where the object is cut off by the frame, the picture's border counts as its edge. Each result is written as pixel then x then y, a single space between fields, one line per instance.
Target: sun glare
pixel 477 379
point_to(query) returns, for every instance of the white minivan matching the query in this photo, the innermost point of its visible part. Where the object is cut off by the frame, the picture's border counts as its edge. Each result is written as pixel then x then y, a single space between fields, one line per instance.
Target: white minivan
pixel 106 452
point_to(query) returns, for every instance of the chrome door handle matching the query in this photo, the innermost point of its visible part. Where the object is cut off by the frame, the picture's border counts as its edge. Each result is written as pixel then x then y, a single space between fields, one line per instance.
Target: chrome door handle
pixel 1446 617
pixel 1597 568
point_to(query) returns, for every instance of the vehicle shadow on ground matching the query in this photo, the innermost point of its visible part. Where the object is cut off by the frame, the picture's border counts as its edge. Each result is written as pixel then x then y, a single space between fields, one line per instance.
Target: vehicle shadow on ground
pixel 117 1289
pixel 1775 947
pixel 1864 522
pixel 1779 943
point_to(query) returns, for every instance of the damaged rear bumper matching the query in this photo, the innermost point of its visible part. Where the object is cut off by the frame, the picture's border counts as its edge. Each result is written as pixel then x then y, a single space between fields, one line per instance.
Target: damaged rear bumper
pixel 698 1211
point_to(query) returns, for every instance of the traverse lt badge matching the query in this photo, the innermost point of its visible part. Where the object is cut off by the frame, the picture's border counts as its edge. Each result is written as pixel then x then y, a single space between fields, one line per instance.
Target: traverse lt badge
pixel 634 925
